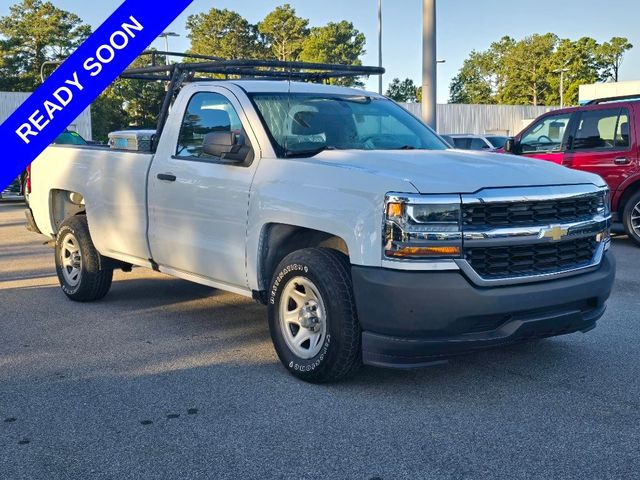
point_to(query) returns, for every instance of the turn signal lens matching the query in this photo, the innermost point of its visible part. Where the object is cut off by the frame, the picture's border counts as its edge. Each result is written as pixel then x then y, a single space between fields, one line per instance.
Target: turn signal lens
pixel 394 210
pixel 424 252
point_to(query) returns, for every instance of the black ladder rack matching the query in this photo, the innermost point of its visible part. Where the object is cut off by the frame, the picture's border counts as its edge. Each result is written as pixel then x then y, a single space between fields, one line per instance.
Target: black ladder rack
pixel 179 73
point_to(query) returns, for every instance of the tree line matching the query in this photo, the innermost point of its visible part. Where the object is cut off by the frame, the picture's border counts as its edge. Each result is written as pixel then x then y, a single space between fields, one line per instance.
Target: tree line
pixel 36 31
pixel 527 71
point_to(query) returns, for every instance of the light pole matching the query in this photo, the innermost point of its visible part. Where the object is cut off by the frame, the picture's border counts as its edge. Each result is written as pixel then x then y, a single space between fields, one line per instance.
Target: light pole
pixel 166 36
pixel 429 62
pixel 561 71
pixel 380 44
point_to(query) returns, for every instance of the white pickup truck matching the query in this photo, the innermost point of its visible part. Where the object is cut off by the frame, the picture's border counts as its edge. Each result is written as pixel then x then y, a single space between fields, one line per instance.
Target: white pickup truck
pixel 366 237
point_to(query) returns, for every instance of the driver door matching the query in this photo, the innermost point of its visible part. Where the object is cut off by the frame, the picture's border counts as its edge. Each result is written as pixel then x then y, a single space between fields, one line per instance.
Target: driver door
pixel 546 139
pixel 198 204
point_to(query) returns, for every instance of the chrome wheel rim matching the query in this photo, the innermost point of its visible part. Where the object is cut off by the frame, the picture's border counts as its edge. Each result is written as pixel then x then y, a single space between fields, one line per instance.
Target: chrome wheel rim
pixel 302 317
pixel 71 260
pixel 635 219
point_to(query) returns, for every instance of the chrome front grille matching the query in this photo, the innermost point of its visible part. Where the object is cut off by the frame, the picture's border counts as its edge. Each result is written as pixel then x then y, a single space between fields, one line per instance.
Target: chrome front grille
pixel 499 214
pixel 528 234
pixel 533 259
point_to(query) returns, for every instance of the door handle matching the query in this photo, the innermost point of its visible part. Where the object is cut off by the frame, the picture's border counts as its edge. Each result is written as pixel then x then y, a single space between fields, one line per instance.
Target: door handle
pixel 621 161
pixel 167 177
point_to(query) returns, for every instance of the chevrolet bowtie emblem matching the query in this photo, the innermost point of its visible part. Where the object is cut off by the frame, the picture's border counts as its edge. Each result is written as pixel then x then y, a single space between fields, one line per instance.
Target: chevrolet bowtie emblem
pixel 555 233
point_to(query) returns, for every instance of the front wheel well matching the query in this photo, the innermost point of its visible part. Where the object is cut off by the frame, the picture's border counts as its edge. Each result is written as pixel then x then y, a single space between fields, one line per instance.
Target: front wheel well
pixel 279 240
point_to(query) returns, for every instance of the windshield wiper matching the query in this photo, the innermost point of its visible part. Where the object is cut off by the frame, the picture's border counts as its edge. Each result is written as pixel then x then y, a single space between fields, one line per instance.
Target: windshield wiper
pixel 308 153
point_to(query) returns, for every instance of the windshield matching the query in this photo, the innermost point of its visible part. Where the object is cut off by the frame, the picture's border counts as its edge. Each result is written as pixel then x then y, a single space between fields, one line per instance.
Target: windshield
pixel 497 142
pixel 305 124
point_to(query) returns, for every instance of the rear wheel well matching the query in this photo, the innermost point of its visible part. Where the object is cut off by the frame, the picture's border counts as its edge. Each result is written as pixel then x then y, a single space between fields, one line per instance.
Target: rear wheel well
pixel 65 204
pixel 279 240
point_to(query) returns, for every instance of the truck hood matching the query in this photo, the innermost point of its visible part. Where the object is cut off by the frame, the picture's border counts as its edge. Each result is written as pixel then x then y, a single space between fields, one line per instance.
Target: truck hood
pixel 456 171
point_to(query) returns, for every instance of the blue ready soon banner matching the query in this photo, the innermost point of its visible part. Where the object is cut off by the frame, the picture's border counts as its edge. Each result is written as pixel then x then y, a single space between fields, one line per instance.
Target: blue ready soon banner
pixel 80 79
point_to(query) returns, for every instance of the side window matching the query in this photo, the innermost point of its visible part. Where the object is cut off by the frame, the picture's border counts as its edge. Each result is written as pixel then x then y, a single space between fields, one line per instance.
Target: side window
pixel 207 112
pixel 545 135
pixel 478 144
pixel 461 143
pixel 602 129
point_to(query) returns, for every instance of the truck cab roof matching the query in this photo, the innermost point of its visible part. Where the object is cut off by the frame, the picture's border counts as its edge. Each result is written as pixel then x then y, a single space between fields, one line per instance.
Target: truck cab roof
pixel 279 86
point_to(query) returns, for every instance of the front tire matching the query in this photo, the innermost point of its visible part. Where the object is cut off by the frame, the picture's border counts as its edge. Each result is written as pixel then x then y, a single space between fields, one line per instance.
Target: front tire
pixel 79 266
pixel 312 316
pixel 631 218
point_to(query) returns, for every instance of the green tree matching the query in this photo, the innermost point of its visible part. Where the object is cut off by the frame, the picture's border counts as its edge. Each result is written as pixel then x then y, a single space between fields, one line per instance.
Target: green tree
pixel 32 33
pixel 402 91
pixel 141 100
pixel 610 56
pixel 338 43
pixel 474 83
pixel 128 103
pixel 225 34
pixel 526 69
pixel 581 66
pixel 527 72
pixel 284 32
pixel 108 115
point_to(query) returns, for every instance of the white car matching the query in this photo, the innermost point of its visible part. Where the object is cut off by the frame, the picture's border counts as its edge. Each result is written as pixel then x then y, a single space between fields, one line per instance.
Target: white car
pixel 367 239
pixel 476 142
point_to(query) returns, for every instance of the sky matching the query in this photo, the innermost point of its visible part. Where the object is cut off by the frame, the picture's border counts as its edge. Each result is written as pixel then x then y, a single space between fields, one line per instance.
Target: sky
pixel 463 25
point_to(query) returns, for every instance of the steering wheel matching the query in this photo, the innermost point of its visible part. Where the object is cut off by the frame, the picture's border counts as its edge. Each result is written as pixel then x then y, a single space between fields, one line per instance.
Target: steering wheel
pixel 544 136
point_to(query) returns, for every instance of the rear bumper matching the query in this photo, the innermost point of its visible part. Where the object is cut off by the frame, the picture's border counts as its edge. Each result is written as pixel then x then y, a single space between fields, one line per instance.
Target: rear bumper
pixel 418 318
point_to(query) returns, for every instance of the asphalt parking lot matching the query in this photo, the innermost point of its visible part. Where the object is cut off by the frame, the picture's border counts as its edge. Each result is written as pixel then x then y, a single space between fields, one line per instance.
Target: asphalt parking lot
pixel 166 379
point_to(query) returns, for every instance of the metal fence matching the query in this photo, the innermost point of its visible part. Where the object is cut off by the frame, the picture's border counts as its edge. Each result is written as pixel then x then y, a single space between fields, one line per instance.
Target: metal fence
pixel 10 101
pixel 479 119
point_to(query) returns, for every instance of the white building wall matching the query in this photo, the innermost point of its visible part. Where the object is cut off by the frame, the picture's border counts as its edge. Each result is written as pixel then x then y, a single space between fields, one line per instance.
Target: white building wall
pixel 479 119
pixel 10 101
pixel 608 90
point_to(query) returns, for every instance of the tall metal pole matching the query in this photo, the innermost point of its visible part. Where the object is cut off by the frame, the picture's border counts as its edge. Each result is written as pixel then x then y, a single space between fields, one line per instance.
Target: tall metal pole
pixel 380 44
pixel 561 71
pixel 429 63
pixel 166 36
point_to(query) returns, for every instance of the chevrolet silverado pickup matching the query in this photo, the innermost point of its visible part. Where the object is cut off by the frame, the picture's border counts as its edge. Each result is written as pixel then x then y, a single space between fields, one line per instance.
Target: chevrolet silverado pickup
pixel 367 238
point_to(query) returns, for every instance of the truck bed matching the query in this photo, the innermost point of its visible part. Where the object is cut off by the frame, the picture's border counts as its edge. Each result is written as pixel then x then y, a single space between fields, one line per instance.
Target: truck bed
pixel 113 184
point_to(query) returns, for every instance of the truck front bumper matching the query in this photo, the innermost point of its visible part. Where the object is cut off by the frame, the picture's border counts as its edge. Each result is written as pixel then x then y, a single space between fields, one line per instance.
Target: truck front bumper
pixel 412 319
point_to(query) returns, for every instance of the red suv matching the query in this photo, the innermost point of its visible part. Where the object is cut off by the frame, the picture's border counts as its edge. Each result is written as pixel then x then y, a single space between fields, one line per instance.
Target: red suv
pixel 601 137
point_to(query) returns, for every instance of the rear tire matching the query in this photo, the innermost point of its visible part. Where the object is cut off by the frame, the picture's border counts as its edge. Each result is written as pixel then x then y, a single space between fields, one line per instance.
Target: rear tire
pixel 78 264
pixel 631 218
pixel 312 316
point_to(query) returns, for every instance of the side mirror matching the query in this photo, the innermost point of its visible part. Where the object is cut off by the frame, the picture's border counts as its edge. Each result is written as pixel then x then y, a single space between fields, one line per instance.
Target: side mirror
pixel 510 145
pixel 227 146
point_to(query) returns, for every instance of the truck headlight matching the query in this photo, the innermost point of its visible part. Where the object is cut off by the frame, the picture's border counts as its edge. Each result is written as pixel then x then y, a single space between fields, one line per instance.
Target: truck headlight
pixel 605 205
pixel 422 226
